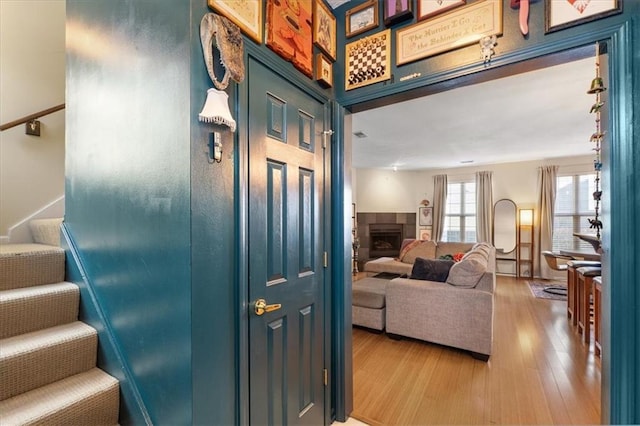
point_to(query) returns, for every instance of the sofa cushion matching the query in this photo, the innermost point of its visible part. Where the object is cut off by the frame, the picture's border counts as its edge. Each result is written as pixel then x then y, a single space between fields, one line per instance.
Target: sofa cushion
pixel 446 247
pixel 467 273
pixel 431 269
pixel 407 245
pixel 369 293
pixel 482 247
pixel 424 249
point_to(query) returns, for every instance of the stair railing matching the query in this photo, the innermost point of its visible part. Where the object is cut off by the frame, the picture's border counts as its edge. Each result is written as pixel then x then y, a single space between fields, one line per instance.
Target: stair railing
pixel 33 125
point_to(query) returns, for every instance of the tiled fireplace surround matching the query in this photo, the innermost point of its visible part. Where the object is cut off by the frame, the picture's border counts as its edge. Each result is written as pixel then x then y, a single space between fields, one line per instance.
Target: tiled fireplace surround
pixel 386 224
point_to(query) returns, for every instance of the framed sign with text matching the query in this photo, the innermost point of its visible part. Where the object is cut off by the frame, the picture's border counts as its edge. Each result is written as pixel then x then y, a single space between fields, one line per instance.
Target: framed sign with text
pixel 461 27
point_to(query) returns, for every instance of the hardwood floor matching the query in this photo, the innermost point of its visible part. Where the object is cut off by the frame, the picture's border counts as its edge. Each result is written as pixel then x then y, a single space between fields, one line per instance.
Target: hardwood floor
pixel 539 372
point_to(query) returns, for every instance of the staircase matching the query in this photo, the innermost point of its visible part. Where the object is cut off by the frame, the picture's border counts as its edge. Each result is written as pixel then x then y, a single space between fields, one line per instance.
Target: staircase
pixel 48 371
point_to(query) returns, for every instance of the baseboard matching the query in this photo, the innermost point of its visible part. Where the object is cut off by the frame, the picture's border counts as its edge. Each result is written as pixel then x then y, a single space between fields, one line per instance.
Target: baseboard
pixel 110 356
pixel 20 232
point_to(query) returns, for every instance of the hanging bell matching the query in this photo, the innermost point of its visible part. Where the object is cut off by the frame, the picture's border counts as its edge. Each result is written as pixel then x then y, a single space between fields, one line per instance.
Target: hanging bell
pixel 597 86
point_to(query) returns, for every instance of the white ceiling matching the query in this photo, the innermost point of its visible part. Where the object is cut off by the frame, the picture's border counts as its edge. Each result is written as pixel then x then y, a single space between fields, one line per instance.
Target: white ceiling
pixel 537 115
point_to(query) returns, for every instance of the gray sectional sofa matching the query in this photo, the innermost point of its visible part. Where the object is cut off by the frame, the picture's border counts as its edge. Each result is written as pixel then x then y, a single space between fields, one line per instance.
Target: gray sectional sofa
pixel 457 313
pixel 403 266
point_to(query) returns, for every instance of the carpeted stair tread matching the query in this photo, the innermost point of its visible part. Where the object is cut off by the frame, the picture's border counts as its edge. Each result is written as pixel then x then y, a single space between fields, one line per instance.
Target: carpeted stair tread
pixel 27 309
pixel 89 398
pixel 36 359
pixel 26 265
pixel 46 231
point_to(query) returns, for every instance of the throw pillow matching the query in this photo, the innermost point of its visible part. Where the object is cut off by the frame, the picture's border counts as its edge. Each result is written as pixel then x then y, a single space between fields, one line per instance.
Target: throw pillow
pixel 466 273
pixel 406 246
pixel 426 250
pixel 431 269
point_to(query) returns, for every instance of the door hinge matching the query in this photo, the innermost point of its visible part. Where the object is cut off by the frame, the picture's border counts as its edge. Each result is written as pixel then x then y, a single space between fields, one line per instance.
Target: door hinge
pixel 325 259
pixel 325 375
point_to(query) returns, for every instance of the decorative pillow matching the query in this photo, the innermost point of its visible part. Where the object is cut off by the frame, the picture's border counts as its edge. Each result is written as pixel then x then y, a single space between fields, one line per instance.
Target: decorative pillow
pixel 431 269
pixel 466 273
pixel 406 246
pixel 480 255
pixel 425 249
pixel 482 247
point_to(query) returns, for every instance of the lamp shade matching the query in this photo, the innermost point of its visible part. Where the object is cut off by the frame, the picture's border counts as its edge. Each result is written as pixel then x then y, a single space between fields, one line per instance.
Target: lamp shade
pixel 526 217
pixel 216 109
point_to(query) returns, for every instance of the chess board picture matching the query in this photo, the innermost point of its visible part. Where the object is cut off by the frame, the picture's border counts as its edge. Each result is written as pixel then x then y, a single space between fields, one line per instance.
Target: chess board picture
pixel 368 60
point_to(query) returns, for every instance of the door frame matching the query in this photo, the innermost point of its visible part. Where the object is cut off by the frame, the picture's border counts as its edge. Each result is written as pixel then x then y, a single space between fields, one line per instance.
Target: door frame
pixel 620 328
pixel 241 197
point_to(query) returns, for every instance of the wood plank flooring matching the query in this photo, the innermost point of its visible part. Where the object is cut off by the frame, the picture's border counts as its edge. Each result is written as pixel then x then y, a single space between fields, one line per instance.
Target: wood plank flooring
pixel 539 372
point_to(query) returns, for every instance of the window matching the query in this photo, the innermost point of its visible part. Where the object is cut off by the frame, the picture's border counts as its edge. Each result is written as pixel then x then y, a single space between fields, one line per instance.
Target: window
pixel 460 213
pixel 574 205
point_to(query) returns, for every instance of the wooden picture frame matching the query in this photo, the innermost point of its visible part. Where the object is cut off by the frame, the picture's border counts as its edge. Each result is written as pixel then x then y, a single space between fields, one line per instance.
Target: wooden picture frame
pixel 289 33
pixel 425 216
pixel 324 29
pixel 429 8
pixel 324 70
pixel 458 28
pixel 246 15
pixel 424 234
pixel 368 60
pixel 361 18
pixel 560 14
pixel 395 11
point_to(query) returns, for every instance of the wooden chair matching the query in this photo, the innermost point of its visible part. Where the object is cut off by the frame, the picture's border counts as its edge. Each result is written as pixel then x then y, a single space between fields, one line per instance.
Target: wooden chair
pixel 585 284
pixel 572 287
pixel 597 314
pixel 556 261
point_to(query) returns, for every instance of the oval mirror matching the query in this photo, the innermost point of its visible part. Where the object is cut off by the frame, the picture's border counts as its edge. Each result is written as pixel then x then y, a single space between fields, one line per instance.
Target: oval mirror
pixel 504 225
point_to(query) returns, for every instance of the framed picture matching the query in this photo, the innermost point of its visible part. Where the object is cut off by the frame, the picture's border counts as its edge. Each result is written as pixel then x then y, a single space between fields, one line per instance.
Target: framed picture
pixel 289 32
pixel 427 8
pixel 458 28
pixel 561 14
pixel 324 29
pixel 396 11
pixel 425 234
pixel 368 60
pixel 425 216
pixel 361 18
pixel 245 14
pixel 324 70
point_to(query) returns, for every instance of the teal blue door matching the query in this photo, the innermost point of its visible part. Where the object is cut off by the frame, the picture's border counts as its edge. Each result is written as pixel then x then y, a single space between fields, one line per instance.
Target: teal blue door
pixel 286 270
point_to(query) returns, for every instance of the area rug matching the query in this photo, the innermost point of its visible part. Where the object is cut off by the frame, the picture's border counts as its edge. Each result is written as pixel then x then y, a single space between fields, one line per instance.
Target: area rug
pixel 556 292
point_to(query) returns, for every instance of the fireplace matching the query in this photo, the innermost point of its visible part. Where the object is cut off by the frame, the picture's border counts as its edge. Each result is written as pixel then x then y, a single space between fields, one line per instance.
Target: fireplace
pixel 385 239
pixel 388 229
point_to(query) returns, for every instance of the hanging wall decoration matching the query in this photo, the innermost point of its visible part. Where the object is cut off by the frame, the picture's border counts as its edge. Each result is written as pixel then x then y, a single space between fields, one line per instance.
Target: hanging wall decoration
pixel 218 31
pixel 368 60
pixel 245 14
pixel 597 87
pixel 289 32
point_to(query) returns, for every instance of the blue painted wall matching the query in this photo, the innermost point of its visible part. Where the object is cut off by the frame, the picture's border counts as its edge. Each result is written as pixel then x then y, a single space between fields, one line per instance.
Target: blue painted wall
pixel 128 185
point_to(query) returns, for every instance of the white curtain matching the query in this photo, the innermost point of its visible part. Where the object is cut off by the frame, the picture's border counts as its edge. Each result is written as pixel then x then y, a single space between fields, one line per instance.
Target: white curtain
pixel 484 206
pixel 439 205
pixel 545 207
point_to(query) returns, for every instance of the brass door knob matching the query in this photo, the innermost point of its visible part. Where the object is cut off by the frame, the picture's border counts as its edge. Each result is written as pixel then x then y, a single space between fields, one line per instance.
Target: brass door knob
pixel 260 307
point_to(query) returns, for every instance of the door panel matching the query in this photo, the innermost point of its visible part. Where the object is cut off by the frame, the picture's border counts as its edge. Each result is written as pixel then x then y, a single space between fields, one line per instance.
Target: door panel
pixel 285 256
